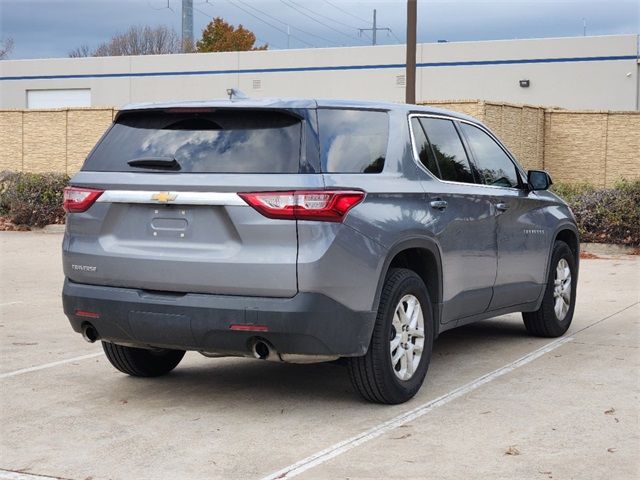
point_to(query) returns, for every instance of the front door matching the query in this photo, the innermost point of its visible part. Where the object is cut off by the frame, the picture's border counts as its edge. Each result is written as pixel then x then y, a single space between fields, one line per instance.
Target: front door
pixel 521 238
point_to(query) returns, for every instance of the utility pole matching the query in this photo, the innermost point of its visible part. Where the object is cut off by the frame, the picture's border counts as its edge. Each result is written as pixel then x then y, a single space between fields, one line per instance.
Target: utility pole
pixel 410 75
pixel 187 25
pixel 375 27
pixel 374 30
pixel 288 37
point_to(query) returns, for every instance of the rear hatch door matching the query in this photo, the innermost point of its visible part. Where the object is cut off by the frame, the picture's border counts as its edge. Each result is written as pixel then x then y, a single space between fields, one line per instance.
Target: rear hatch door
pixel 170 219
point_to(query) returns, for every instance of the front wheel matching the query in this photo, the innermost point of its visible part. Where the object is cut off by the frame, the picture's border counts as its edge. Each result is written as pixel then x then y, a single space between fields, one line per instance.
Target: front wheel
pixel 140 362
pixel 396 363
pixel 554 316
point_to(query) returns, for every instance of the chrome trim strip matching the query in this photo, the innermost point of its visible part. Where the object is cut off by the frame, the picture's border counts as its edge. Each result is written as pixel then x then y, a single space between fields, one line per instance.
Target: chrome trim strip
pixel 416 154
pixel 173 198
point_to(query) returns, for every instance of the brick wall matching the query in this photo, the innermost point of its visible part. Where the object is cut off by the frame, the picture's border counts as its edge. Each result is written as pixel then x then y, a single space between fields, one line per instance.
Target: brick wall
pixel 50 140
pixel 574 146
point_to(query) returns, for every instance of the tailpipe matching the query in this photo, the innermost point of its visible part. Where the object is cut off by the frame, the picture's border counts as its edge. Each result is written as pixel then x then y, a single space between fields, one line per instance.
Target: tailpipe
pixel 264 351
pixel 89 333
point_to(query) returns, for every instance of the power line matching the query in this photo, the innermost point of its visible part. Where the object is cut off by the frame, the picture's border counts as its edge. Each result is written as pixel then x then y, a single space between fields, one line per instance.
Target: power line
pixel 286 24
pixel 346 11
pixel 258 39
pixel 374 29
pixel 324 16
pixel 294 7
pixel 395 36
pixel 269 23
pixel 168 7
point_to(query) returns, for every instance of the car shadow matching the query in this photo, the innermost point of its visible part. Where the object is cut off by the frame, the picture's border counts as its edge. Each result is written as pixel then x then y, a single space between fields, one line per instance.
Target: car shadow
pixel 256 382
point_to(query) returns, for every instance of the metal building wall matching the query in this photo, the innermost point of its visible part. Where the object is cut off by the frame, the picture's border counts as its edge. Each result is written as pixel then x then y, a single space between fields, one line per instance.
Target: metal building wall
pixel 580 73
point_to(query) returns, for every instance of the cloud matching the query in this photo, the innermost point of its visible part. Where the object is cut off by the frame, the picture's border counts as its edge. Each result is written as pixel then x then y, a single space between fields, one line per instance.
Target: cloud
pixel 51 28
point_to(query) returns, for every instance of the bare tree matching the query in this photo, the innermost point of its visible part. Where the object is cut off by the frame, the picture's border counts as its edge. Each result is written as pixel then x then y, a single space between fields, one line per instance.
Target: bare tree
pixel 141 40
pixel 6 46
pixel 81 51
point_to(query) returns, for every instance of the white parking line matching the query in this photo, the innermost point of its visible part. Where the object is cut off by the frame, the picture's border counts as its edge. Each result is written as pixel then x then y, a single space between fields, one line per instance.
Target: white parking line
pixel 48 365
pixel 9 303
pixel 9 475
pixel 374 432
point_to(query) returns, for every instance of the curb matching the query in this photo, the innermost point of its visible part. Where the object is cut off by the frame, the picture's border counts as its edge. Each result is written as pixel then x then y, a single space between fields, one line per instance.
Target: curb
pixel 50 229
pixel 607 249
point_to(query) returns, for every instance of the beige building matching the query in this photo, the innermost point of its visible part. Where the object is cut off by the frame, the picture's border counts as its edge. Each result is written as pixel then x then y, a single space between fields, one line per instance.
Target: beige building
pixel 598 73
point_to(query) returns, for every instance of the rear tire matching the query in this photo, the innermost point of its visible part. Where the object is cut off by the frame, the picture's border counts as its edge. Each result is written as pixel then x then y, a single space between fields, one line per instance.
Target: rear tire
pixel 555 314
pixel 394 367
pixel 140 362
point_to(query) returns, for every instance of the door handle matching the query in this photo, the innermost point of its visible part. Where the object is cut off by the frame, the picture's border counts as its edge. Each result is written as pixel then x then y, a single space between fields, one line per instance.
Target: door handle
pixel 438 204
pixel 502 206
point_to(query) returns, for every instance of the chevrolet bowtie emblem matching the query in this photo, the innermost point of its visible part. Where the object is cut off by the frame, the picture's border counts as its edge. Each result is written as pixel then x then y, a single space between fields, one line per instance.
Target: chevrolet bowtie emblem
pixel 164 197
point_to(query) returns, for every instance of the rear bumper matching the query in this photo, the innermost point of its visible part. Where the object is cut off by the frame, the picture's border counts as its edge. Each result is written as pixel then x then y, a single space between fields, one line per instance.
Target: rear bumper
pixel 307 324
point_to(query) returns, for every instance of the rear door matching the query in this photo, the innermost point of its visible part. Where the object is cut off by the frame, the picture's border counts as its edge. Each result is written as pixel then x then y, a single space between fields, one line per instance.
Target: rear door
pixel 461 216
pixel 170 218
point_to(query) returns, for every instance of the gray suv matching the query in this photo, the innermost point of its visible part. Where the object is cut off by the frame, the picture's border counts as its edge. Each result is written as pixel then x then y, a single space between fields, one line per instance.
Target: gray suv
pixel 308 231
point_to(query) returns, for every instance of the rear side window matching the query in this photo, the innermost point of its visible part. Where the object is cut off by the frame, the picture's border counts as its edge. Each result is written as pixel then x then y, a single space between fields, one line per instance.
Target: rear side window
pixel 222 141
pixel 448 149
pixel 495 167
pixel 353 141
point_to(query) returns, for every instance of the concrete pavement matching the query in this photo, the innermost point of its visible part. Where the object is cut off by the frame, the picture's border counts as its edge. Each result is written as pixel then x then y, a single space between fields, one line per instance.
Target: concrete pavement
pixel 569 412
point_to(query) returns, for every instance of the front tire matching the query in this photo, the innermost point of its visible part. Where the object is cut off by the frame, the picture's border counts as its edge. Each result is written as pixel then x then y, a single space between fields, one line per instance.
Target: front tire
pixel 394 367
pixel 140 362
pixel 555 314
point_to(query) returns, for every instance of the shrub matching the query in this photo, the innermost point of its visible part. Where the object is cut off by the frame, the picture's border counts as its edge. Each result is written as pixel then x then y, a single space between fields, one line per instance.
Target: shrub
pixel 568 191
pixel 609 215
pixel 33 199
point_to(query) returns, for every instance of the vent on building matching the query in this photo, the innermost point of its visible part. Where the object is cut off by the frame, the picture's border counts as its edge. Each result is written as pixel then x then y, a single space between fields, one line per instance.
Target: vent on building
pixel 257 84
pixel 401 80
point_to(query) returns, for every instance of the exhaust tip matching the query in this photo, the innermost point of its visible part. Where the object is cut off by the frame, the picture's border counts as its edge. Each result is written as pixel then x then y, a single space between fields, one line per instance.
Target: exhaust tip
pixel 89 333
pixel 261 350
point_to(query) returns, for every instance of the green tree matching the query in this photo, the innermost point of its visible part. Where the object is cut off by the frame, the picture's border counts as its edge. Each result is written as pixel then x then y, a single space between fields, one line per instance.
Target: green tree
pixel 220 36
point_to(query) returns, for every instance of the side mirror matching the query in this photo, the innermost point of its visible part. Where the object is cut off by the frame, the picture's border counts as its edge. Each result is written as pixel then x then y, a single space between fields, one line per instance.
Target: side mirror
pixel 538 180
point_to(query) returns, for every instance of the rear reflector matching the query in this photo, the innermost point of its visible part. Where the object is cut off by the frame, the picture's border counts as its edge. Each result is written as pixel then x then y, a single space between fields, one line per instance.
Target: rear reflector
pixel 84 313
pixel 322 205
pixel 244 327
pixel 78 199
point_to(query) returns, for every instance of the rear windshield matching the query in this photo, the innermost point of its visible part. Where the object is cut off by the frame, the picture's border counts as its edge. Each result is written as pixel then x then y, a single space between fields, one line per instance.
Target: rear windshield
pixel 223 141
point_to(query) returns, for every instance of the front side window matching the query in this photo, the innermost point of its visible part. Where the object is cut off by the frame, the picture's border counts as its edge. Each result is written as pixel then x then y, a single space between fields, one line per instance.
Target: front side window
pixel 448 149
pixel 353 141
pixel 494 165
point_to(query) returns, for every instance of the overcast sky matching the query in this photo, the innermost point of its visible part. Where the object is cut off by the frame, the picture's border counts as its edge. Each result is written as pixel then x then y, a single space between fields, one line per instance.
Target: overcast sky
pixel 51 28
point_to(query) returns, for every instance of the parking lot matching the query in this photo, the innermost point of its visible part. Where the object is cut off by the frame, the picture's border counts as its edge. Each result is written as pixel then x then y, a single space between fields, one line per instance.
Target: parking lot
pixel 496 403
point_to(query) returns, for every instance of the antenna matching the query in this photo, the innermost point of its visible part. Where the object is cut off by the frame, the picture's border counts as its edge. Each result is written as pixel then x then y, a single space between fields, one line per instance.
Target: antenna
pixel 237 94
pixel 374 29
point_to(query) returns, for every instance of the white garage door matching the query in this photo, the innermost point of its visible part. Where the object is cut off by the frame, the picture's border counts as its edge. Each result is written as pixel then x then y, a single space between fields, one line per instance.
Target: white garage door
pixel 59 98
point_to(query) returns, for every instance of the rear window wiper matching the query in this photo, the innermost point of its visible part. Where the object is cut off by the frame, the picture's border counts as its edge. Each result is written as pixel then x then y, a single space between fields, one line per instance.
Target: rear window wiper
pixel 156 163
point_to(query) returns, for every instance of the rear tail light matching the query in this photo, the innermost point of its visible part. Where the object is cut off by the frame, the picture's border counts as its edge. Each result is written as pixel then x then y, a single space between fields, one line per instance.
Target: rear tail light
pixel 322 205
pixel 77 199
